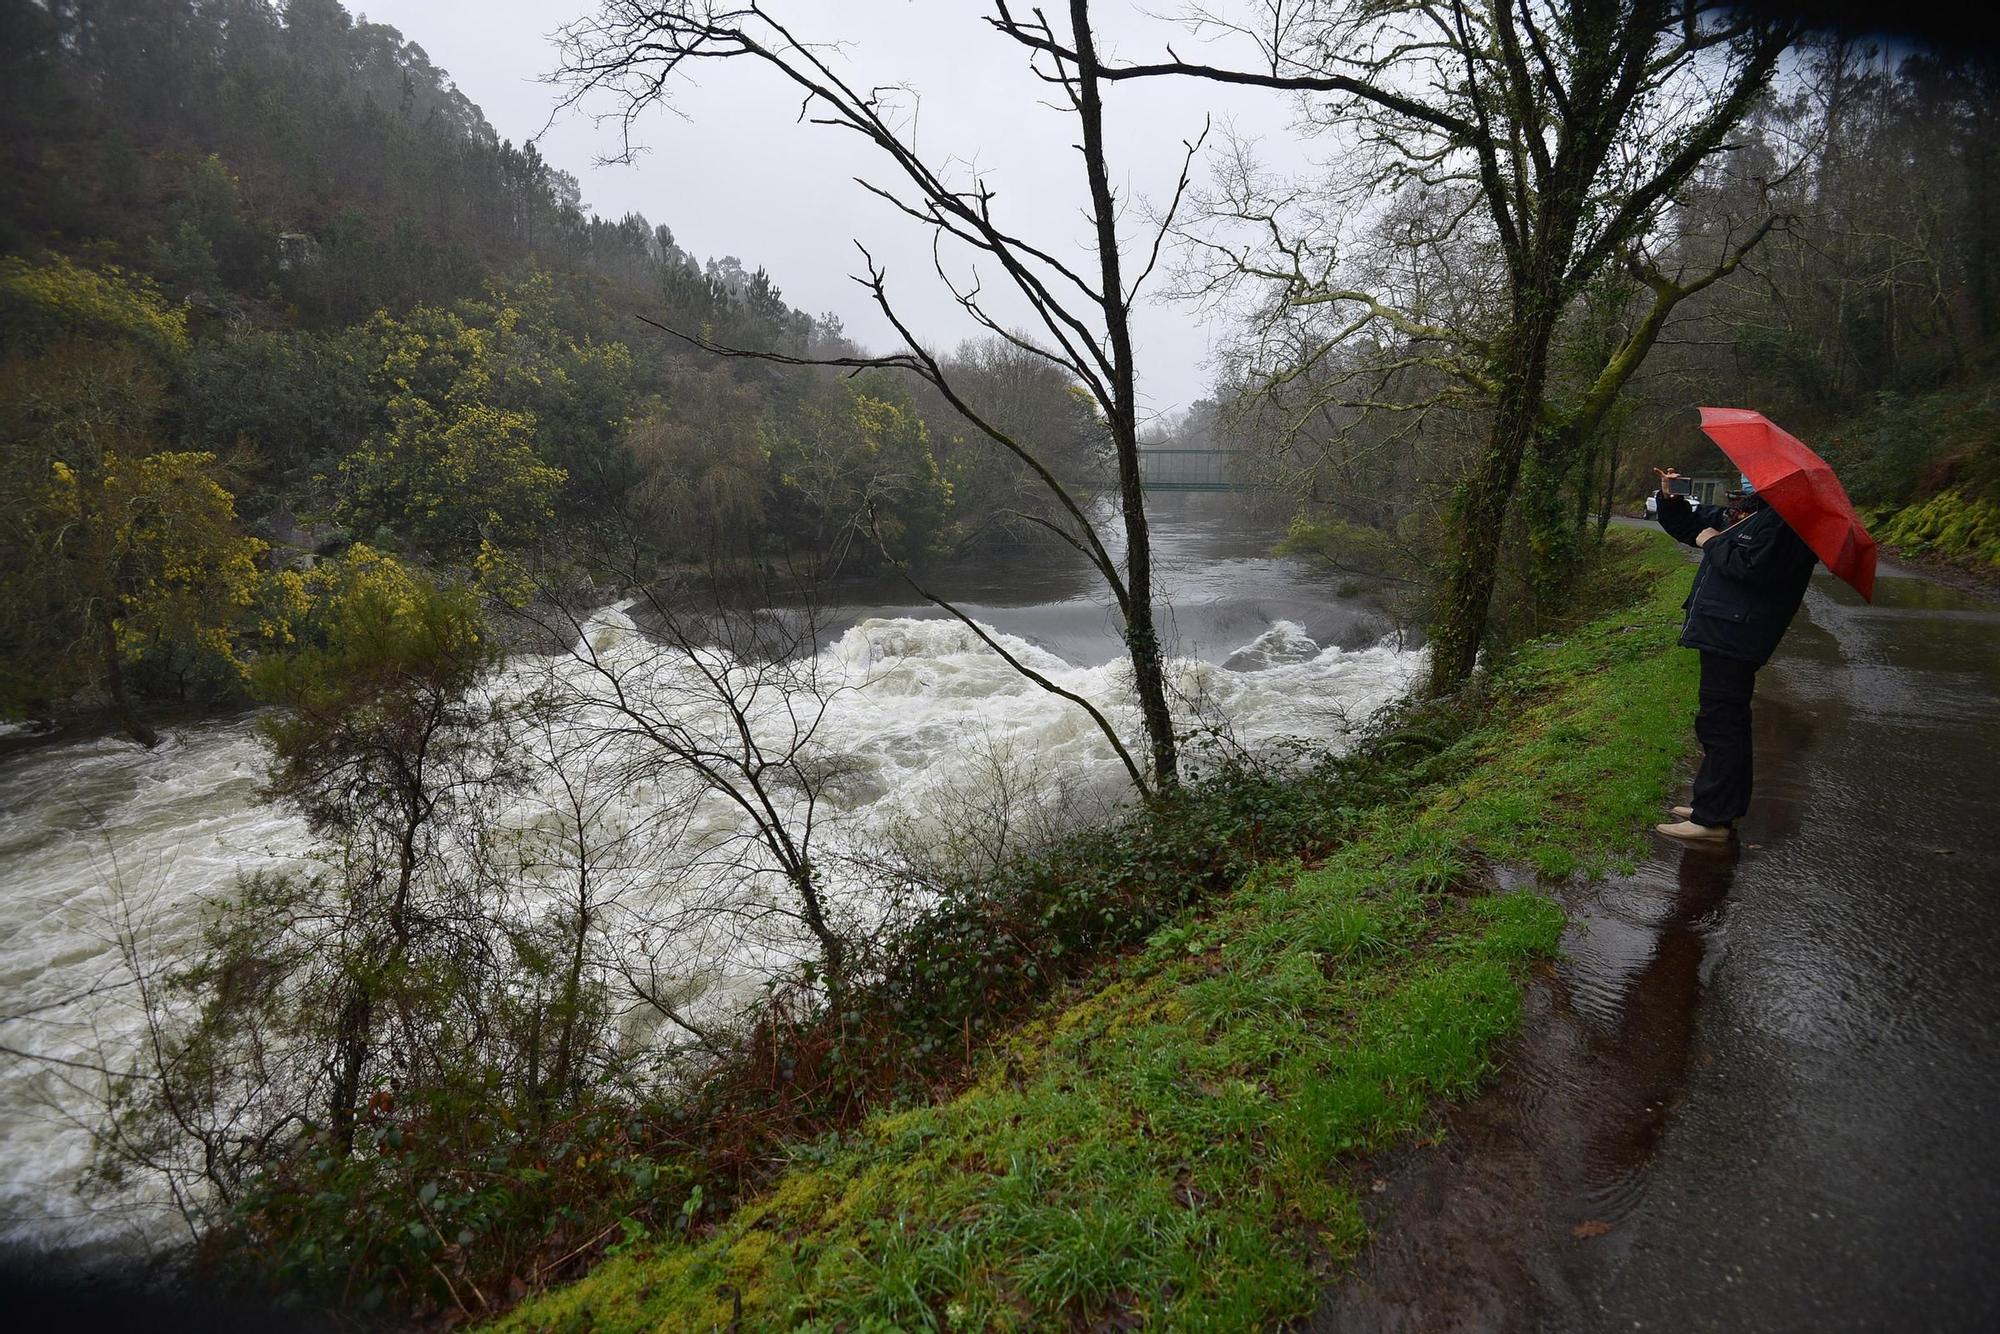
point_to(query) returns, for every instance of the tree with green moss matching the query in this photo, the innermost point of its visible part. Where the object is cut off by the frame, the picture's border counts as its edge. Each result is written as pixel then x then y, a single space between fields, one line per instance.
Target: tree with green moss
pixel 1528 151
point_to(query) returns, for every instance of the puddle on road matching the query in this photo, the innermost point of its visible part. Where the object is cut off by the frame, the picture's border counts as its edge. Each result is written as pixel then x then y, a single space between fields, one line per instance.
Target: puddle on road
pixel 1676 1143
pixel 1492 1228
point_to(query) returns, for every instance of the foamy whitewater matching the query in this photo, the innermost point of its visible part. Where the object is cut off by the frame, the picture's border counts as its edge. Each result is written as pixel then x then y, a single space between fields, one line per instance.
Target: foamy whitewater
pixel 111 856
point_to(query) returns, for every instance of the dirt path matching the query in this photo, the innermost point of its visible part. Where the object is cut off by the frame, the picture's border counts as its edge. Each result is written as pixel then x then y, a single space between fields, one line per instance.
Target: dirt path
pixel 1762 1092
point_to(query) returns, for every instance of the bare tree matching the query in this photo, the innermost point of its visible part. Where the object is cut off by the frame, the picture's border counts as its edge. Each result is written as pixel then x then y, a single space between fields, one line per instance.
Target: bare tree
pixel 632 50
pixel 699 694
pixel 571 870
pixel 1551 134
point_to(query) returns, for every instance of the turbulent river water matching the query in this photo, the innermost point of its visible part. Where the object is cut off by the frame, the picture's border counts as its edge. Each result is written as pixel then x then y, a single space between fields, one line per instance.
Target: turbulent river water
pixel 111 857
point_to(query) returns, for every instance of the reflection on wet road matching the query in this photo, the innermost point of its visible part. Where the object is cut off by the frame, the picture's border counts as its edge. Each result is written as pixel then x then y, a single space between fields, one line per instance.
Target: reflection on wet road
pixel 1758 1093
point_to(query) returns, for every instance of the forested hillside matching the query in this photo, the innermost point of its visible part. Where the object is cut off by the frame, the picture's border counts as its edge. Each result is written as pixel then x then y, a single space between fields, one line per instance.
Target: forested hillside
pixel 272 286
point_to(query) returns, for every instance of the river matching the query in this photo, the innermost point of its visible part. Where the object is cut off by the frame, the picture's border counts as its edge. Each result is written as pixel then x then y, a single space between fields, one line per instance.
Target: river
pixel 111 857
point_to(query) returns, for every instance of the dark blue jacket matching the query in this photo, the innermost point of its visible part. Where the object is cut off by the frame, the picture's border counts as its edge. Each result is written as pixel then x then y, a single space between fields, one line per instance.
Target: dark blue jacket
pixel 1752 577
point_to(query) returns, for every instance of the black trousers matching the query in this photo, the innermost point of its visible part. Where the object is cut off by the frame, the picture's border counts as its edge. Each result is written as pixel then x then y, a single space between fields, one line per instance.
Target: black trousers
pixel 1722 725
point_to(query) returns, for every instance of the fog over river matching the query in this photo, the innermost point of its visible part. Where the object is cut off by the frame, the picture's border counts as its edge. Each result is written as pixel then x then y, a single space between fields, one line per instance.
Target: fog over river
pixel 109 853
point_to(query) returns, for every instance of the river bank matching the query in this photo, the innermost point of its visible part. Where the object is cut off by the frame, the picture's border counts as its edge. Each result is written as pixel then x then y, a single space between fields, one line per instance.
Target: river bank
pixel 1172 1143
pixel 115 858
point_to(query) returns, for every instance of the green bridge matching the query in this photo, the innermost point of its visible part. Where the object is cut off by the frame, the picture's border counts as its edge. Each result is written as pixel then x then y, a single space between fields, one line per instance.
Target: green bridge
pixel 1190 470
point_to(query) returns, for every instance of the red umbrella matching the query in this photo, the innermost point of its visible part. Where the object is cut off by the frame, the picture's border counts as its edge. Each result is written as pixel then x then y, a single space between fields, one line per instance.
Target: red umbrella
pixel 1801 488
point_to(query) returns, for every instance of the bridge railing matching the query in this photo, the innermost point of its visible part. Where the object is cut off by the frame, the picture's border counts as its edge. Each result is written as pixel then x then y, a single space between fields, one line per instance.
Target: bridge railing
pixel 1169 469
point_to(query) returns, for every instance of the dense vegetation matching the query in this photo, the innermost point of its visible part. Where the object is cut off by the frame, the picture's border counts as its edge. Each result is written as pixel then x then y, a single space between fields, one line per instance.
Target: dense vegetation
pixel 273 255
pixel 1870 323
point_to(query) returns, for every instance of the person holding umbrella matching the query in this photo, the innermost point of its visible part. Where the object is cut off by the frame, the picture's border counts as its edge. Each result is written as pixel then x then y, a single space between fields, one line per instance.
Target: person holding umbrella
pixel 1757 556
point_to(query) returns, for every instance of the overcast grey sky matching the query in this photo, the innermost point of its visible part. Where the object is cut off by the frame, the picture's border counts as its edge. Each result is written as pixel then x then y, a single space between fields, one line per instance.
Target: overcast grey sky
pixel 736 174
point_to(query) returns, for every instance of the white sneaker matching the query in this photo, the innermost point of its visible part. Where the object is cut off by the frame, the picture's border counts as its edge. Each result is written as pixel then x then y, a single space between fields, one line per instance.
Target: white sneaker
pixel 1691 832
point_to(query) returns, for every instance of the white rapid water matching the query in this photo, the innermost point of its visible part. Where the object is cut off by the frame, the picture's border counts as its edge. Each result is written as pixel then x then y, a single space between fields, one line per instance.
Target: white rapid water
pixel 102 846
pixel 109 855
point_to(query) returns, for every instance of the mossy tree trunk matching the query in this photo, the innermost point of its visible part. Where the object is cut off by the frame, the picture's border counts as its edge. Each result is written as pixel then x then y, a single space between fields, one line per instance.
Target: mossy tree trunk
pixel 1479 508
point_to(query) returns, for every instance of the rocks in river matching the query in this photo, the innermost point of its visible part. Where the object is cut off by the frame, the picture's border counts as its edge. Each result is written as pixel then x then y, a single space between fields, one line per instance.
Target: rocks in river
pixel 1285 642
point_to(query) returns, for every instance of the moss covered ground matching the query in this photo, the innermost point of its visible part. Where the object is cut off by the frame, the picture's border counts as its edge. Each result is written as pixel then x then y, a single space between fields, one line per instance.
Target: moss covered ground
pixel 1166 1147
pixel 1949 527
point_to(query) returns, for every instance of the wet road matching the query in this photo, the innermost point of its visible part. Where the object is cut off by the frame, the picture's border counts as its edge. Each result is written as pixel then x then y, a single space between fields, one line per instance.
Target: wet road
pixel 1762 1091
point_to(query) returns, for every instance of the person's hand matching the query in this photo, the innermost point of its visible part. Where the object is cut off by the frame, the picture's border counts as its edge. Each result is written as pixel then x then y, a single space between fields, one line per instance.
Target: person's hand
pixel 1666 475
pixel 1701 538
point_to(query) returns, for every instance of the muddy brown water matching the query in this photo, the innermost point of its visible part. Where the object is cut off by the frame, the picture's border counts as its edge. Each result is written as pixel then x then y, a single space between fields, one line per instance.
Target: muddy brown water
pixel 1760 1089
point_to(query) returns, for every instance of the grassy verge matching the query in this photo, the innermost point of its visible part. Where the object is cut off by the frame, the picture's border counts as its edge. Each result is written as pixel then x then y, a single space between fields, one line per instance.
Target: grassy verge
pixel 1167 1149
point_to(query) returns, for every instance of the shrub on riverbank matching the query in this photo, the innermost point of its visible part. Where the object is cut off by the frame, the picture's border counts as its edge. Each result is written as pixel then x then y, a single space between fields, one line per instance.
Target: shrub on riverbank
pixel 1166 1147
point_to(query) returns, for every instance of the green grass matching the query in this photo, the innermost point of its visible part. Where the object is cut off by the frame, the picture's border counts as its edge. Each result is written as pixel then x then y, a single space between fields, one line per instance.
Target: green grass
pixel 1169 1145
